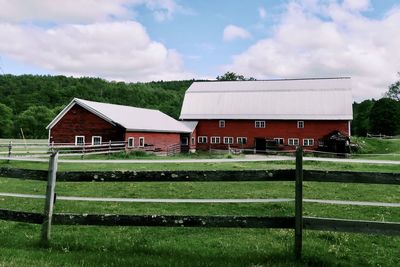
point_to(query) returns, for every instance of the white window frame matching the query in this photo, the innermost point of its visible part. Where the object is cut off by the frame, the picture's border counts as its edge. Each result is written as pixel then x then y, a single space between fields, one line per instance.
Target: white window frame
pixel 76 140
pixel 133 141
pixel 141 141
pixel 278 139
pixel 202 138
pixel 228 138
pixel 292 141
pixel 260 124
pixel 239 140
pixel 300 124
pixel 221 124
pixel 193 141
pixel 185 143
pixel 215 140
pixel 308 142
pixel 97 136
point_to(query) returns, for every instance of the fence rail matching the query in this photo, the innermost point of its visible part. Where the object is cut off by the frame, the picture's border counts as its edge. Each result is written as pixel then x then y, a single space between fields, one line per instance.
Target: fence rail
pixel 296 222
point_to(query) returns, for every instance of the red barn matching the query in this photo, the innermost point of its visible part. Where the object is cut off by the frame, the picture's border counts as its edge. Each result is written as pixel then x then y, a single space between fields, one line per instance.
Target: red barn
pixel 93 123
pixel 257 114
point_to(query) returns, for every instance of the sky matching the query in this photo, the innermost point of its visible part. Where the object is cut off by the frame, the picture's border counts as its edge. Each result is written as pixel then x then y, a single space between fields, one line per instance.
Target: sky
pixel 145 40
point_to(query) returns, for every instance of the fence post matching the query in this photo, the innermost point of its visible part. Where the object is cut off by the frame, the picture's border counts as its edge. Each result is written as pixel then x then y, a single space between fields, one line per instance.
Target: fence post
pixel 50 198
pixel 9 150
pixel 298 230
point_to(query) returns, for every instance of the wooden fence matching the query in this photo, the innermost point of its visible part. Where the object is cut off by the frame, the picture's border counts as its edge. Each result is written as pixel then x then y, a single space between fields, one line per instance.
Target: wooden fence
pixel 296 221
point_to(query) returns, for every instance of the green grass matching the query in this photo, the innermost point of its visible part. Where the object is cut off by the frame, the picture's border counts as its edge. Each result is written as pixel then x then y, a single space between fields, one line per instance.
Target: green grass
pixel 308 165
pixel 145 246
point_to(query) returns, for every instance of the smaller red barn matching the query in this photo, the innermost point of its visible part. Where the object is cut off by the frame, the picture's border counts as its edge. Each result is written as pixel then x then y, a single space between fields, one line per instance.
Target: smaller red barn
pixel 84 122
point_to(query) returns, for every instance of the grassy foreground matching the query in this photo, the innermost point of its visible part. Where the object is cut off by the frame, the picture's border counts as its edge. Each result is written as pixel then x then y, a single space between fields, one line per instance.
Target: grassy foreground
pixel 145 246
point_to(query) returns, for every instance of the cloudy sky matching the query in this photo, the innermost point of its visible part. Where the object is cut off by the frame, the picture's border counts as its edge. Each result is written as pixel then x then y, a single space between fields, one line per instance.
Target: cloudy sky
pixel 144 40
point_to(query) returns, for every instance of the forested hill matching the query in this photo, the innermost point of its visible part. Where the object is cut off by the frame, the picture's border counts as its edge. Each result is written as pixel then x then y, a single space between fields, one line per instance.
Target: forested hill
pixel 30 102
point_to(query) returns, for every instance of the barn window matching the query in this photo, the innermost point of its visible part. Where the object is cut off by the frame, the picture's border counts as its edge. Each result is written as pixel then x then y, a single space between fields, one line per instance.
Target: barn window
pixel 185 141
pixel 215 140
pixel 228 140
pixel 131 142
pixel 293 141
pixel 308 142
pixel 279 141
pixel 193 141
pixel 202 139
pixel 141 141
pixel 96 140
pixel 79 140
pixel 260 124
pixel 242 140
pixel 221 124
pixel 300 124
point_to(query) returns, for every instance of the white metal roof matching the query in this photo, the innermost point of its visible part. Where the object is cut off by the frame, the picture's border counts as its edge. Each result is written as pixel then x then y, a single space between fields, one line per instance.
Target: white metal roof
pixel 291 99
pixel 131 118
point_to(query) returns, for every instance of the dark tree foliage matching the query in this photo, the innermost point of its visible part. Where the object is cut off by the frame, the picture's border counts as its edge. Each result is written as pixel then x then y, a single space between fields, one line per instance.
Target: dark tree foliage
pixel 394 90
pixel 231 76
pixel 6 121
pixel 52 93
pixel 385 117
pixel 361 112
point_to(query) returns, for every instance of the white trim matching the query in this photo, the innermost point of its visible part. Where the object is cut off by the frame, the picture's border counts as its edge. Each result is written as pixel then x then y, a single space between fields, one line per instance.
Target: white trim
pixel 279 138
pixel 293 143
pixel 228 137
pixel 349 125
pixel 76 140
pixel 96 136
pixel 215 137
pixel 260 123
pixel 308 141
pixel 220 122
pixel 133 142
pixel 201 137
pixel 68 108
pixel 298 124
pixel 141 139
pixel 243 138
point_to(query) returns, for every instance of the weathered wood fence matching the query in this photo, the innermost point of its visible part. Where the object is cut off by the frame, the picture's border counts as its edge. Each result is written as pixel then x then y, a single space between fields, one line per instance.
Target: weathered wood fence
pixel 296 221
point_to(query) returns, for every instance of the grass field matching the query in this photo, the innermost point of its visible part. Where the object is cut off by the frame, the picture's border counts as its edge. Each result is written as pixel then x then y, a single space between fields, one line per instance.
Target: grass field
pixel 144 246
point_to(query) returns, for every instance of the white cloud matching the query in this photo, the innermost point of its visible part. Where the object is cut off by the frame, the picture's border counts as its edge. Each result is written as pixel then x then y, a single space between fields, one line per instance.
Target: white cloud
pixel 112 50
pixel 262 13
pixel 232 32
pixel 83 11
pixel 343 43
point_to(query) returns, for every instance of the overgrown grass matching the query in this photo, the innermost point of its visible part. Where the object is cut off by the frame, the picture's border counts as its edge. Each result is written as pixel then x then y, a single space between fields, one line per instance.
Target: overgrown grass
pixel 146 246
pixel 376 145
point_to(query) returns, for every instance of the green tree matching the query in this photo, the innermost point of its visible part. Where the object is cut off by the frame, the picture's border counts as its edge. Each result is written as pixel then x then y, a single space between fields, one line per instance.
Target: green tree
pixel 231 76
pixel 34 120
pixel 385 117
pixel 394 90
pixel 6 121
pixel 360 125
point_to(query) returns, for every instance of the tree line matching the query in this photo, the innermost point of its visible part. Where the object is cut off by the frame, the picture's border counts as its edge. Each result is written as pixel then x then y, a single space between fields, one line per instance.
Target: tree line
pixel 30 102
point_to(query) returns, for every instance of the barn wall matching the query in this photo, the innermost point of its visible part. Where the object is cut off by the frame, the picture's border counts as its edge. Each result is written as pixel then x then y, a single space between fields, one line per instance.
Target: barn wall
pixel 154 141
pixel 274 129
pixel 79 121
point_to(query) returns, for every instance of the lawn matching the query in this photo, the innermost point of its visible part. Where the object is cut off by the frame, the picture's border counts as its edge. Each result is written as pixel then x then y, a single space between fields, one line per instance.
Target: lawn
pixel 146 246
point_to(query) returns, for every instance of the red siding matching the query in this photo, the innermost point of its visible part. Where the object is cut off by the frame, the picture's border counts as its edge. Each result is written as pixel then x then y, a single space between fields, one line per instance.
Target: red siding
pixel 155 141
pixel 79 121
pixel 274 129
